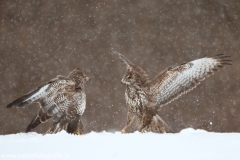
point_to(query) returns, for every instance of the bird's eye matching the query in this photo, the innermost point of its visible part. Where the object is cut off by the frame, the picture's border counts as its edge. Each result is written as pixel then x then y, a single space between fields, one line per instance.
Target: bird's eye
pixel 128 76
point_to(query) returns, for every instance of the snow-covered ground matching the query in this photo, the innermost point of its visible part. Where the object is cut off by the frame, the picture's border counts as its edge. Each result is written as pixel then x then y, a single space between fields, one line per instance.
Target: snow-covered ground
pixel 189 144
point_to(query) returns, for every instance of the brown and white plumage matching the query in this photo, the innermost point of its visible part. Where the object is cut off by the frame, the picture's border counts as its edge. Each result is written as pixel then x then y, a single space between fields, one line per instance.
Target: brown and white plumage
pixel 175 81
pixel 62 99
pixel 144 97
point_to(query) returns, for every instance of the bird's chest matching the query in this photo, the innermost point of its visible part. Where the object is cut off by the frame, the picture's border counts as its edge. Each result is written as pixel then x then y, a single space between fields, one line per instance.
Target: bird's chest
pixel 135 100
pixel 78 104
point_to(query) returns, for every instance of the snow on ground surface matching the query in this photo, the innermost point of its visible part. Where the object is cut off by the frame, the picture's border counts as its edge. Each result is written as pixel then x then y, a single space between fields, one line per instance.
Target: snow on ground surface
pixel 189 144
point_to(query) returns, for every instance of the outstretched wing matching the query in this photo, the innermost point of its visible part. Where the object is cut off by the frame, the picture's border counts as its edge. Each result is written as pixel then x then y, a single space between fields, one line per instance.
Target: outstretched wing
pixel 126 61
pixel 173 82
pixel 54 97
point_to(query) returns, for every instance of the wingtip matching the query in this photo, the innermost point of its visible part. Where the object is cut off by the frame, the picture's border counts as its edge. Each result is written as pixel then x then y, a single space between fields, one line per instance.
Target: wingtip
pixel 16 103
pixel 116 53
pixel 10 105
pixel 222 56
pixel 223 59
pixel 33 124
pixel 27 130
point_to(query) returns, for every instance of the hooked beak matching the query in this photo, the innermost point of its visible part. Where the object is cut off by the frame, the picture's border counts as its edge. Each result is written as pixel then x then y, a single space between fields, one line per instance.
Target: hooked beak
pixel 87 78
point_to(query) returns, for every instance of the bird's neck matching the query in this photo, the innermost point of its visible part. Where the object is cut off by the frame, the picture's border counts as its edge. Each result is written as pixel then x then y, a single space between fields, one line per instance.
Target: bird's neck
pixel 133 88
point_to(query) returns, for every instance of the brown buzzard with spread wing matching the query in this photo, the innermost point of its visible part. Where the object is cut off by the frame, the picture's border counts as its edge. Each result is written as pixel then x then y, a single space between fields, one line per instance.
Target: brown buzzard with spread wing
pixel 144 97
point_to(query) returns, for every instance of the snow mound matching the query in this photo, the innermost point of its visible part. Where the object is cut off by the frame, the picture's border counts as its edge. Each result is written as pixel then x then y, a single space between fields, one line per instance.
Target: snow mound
pixel 191 130
pixel 189 144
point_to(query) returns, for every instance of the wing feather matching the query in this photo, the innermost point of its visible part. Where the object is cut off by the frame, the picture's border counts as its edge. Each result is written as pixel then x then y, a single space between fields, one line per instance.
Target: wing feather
pixel 54 97
pixel 123 59
pixel 175 81
pixel 57 98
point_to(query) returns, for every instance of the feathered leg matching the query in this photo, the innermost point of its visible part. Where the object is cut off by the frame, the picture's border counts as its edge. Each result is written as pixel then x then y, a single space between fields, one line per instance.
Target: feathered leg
pixel 80 128
pixel 130 118
pixel 147 118
pixel 53 129
pixel 75 126
pixel 152 122
pixel 57 126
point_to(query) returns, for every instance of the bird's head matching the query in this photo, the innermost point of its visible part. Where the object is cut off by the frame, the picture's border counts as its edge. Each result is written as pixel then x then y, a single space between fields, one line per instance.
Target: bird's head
pixel 128 78
pixel 78 76
pixel 134 75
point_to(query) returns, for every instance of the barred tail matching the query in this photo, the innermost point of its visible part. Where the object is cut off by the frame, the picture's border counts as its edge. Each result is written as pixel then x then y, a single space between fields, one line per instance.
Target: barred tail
pixel 159 126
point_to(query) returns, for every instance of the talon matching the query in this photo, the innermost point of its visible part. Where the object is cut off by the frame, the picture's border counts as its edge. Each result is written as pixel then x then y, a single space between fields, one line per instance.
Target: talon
pixel 123 131
pixel 77 133
pixel 142 131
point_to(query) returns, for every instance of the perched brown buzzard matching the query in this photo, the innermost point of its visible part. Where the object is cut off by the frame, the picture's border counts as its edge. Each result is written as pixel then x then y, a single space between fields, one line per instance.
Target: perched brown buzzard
pixel 144 97
pixel 62 99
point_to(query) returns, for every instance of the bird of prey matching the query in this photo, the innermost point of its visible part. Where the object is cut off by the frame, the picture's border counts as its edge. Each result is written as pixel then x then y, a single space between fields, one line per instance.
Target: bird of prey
pixel 144 97
pixel 62 99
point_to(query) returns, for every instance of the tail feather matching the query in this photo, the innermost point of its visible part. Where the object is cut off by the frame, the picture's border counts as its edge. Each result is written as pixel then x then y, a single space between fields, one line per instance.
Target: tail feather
pixel 159 126
pixel 28 98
